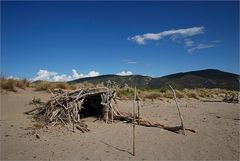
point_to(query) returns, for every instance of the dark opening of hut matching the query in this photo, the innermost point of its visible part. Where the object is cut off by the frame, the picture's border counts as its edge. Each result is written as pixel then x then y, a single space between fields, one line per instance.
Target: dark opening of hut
pixel 92 106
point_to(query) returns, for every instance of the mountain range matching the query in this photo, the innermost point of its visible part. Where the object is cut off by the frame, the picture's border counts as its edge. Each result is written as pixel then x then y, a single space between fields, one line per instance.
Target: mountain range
pixel 209 78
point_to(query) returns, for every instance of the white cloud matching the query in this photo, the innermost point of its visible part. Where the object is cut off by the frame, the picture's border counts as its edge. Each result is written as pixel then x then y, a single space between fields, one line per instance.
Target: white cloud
pixel 180 36
pixel 174 33
pixel 12 77
pixel 123 73
pixel 200 46
pixel 138 38
pixel 44 75
pixel 55 77
pixel 75 74
pixel 92 74
pixel 61 78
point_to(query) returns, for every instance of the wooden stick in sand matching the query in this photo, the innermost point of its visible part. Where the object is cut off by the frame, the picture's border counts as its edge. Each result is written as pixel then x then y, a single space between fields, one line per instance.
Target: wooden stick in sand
pixel 134 101
pixel 138 108
pixel 179 112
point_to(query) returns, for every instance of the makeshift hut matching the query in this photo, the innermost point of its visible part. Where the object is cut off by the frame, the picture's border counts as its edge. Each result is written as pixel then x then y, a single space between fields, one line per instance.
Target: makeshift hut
pixel 71 106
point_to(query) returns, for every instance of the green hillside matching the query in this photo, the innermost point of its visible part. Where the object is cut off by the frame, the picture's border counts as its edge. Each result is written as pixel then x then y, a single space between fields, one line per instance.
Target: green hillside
pixel 209 78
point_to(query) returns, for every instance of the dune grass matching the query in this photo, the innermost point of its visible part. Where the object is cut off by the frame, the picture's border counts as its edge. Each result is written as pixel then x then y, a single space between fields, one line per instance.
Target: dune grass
pixel 150 94
pixel 12 84
pixel 43 86
pixel 200 93
pixel 192 94
pixel 23 84
pixel 8 84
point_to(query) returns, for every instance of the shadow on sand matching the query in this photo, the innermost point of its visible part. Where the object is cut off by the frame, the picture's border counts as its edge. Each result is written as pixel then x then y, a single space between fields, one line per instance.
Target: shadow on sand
pixel 116 147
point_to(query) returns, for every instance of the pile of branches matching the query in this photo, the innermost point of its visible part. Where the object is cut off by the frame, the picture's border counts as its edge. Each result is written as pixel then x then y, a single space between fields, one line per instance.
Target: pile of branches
pixel 65 107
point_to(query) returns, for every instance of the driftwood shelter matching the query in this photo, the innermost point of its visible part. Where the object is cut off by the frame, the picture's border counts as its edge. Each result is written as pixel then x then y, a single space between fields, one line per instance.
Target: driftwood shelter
pixel 70 107
pixel 66 107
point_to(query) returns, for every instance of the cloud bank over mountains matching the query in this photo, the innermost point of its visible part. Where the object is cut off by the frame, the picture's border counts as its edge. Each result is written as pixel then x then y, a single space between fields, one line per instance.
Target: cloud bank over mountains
pixel 123 73
pixel 56 77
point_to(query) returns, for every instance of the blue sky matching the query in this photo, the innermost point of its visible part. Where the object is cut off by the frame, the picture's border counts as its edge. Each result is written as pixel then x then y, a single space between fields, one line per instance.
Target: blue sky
pixel 68 40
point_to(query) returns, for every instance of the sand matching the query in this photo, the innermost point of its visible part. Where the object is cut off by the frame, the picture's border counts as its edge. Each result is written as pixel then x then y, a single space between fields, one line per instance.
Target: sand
pixel 217 136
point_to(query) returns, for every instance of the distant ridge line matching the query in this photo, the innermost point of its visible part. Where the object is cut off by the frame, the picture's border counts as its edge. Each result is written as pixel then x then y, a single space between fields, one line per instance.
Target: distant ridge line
pixel 208 78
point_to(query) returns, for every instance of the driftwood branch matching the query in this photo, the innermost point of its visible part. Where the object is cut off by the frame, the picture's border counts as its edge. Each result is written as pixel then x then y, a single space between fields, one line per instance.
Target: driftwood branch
pixel 179 111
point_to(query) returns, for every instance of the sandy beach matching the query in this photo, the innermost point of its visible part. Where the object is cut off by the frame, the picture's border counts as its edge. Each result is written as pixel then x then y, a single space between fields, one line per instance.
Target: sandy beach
pixel 216 123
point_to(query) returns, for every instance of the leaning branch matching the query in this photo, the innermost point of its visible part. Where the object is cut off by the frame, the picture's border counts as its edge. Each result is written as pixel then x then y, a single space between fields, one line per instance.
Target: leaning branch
pixel 179 111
